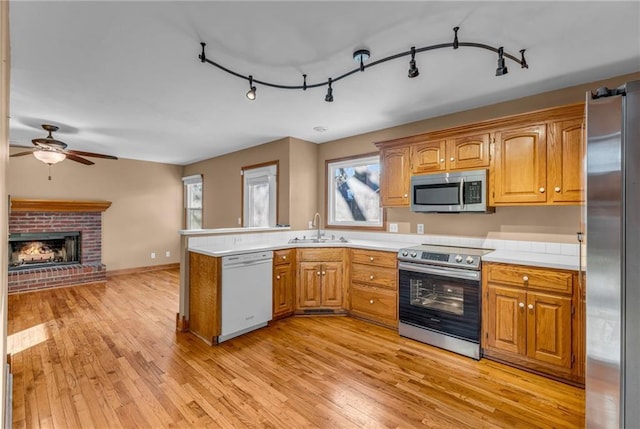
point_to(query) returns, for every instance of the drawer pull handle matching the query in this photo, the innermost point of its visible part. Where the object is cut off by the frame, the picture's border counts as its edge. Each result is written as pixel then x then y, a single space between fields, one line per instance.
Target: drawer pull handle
pixel 530 306
pixel 371 258
pixel 370 301
pixel 284 257
pixel 277 277
pixel 521 305
pixel 371 277
pixel 525 278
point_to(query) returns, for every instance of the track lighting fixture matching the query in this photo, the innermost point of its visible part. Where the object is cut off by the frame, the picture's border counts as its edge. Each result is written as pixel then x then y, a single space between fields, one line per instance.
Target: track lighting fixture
pixel 363 55
pixel 413 70
pixel 329 97
pixel 502 69
pixel 251 94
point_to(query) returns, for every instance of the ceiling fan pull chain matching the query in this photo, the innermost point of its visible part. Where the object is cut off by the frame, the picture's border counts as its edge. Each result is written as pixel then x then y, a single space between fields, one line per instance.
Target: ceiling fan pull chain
pixel 49 171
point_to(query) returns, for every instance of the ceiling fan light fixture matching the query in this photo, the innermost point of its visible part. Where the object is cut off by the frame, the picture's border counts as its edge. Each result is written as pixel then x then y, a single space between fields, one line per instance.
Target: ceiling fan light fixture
pixel 502 68
pixel 413 70
pixel 49 156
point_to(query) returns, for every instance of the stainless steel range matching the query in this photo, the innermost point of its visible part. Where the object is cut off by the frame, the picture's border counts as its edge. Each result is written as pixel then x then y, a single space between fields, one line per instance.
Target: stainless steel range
pixel 439 302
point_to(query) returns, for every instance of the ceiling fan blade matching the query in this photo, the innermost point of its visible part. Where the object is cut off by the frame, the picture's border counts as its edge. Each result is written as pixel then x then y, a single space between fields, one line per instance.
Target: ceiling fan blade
pixel 21 153
pixel 79 159
pixel 19 145
pixel 95 155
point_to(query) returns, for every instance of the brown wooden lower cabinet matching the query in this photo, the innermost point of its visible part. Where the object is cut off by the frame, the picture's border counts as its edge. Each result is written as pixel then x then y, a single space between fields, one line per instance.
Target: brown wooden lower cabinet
pixel 527 324
pixel 374 286
pixel 320 280
pixel 204 296
pixel 283 282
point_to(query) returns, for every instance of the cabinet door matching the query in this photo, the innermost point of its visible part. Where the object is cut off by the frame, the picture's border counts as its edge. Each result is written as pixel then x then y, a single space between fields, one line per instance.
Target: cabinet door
pixel 282 290
pixel 204 296
pixel 549 329
pixel 506 327
pixel 428 157
pixel 520 167
pixel 468 152
pixel 566 159
pixel 395 177
pixel 309 285
pixel 332 284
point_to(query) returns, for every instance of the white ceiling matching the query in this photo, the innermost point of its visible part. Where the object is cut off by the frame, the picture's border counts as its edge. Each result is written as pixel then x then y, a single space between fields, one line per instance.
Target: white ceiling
pixel 123 78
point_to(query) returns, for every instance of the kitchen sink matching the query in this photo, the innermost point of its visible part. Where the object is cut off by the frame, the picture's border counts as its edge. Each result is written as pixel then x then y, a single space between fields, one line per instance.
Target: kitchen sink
pixel 320 240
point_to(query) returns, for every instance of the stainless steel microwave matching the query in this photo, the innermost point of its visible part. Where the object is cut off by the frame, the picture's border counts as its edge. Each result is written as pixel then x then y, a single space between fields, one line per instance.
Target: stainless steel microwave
pixel 456 192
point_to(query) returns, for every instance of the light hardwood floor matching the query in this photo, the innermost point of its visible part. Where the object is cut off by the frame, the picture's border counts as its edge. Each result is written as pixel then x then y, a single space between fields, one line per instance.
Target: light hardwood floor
pixel 108 356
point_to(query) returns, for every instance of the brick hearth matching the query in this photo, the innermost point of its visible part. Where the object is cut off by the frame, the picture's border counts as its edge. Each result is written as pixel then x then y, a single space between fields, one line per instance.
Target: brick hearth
pixel 60 216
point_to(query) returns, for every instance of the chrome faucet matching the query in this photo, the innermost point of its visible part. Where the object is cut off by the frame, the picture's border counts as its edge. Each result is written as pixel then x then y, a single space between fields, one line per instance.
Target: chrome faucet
pixel 316 223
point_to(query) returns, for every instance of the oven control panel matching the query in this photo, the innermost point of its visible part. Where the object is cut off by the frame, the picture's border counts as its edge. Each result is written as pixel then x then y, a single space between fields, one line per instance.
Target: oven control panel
pixel 447 256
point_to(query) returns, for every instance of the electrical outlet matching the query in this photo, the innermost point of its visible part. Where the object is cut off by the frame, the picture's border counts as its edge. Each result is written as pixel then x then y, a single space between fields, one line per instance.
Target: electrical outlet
pixel 153 255
pixel 239 221
pixel 237 240
pixel 393 227
pixel 421 228
pixel 310 224
pixel 167 253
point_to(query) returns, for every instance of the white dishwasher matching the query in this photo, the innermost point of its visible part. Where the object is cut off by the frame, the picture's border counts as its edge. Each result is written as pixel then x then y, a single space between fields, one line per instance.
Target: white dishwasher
pixel 246 293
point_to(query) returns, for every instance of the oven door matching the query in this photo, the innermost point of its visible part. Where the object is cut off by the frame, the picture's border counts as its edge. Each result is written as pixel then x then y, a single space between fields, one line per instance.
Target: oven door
pixel 441 299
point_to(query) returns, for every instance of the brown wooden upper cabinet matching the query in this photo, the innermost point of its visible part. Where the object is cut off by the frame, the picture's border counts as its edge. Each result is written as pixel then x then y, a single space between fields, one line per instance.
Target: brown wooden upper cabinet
pixel 539 164
pixel 395 176
pixel 457 153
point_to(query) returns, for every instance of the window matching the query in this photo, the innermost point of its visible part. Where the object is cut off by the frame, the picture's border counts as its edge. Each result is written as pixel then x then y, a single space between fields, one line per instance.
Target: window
pixel 193 201
pixel 353 192
pixel 259 205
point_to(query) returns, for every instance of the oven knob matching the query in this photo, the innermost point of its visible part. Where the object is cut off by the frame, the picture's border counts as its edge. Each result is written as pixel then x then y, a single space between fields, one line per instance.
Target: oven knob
pixel 405 253
pixel 458 258
pixel 414 254
pixel 469 259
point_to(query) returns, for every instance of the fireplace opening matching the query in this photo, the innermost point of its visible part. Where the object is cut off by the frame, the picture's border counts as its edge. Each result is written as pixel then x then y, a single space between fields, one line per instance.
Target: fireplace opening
pixel 43 249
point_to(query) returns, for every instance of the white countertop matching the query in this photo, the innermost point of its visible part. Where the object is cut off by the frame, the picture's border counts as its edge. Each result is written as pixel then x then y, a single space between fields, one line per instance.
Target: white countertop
pixel 546 260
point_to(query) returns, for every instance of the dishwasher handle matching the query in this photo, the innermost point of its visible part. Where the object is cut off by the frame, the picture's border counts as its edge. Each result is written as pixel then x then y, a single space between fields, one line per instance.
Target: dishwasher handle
pixel 247 259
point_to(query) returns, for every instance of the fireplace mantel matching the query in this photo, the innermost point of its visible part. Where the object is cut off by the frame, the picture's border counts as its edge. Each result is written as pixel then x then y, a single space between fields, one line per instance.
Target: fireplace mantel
pixel 36 205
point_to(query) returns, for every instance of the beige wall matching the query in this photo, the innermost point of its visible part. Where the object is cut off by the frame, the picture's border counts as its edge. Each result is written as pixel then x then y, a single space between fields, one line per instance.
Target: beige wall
pixel 222 183
pixel 146 210
pixel 4 160
pixel 560 220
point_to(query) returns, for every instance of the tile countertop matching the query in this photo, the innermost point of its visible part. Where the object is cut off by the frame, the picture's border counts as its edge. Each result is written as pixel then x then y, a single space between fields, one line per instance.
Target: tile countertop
pixel 545 260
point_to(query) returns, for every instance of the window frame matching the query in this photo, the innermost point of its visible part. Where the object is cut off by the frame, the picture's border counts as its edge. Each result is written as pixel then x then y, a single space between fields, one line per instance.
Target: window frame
pixel 187 182
pixel 354 161
pixel 273 184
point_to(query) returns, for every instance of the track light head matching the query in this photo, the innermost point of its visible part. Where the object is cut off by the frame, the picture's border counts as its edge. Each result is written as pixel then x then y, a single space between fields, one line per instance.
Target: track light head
pixel 502 68
pixel 413 70
pixel 329 97
pixel 251 94
pixel 360 56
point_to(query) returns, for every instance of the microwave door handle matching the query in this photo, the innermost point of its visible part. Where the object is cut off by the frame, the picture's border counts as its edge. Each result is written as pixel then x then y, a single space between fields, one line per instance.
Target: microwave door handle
pixel 462 193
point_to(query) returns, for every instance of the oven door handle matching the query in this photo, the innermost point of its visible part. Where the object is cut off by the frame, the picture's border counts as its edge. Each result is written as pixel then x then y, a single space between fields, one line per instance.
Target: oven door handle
pixel 458 274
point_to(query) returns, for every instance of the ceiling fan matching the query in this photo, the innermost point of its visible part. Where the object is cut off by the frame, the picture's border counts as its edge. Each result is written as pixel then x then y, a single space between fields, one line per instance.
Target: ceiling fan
pixel 52 151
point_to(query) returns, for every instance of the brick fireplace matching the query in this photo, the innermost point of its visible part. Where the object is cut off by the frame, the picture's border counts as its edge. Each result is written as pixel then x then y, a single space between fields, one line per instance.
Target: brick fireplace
pixel 83 218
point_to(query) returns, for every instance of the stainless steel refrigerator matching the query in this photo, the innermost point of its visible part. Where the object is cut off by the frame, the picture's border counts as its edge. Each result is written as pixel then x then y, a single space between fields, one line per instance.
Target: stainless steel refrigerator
pixel 613 258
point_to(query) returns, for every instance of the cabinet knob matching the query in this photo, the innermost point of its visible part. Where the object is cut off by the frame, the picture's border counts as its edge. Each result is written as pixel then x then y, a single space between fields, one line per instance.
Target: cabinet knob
pixel 521 305
pixel 318 273
pixel 542 190
pixel 284 257
pixel 324 273
pixel 525 278
pixel 441 159
pixel 406 195
pixel 530 306
pixel 371 277
pixel 371 258
pixel 370 301
pixel 277 277
pixel 557 189
pixel 452 159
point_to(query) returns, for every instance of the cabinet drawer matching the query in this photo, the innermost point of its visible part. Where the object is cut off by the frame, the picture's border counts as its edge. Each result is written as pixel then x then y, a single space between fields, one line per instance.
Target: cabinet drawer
pixel 376 304
pixel 530 277
pixel 281 257
pixel 374 257
pixel 320 255
pixel 383 277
